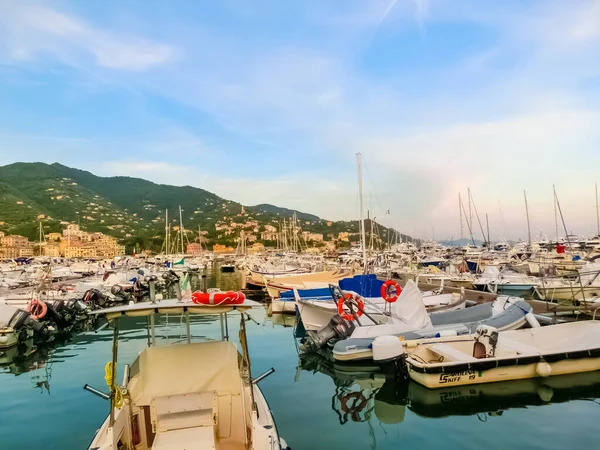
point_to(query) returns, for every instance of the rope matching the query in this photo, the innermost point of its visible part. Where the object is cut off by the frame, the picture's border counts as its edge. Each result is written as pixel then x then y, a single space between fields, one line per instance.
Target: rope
pixel 118 399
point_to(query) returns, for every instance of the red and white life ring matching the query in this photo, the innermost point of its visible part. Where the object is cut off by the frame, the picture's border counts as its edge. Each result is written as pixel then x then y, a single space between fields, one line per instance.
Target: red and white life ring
pixel 37 309
pixel 356 300
pixel 385 291
pixel 218 298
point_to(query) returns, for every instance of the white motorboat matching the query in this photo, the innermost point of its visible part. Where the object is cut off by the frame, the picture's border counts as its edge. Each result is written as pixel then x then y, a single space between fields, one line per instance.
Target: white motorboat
pixel 317 313
pixel 411 322
pixel 187 395
pixel 505 282
pixel 489 356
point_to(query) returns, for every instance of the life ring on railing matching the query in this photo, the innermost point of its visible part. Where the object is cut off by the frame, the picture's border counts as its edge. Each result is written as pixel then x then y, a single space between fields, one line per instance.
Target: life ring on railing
pixel 360 305
pixel 37 309
pixel 360 402
pixel 385 293
pixel 218 298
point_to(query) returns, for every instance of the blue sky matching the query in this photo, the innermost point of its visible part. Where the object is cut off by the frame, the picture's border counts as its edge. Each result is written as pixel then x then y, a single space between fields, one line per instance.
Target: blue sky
pixel 268 101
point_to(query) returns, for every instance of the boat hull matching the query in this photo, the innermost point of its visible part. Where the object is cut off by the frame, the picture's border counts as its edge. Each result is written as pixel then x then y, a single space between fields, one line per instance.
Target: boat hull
pixel 515 290
pixel 506 373
pixel 590 294
pixel 8 338
pixel 283 307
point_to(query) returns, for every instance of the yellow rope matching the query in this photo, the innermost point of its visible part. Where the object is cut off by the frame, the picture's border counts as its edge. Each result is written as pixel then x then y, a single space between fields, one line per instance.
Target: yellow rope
pixel 111 385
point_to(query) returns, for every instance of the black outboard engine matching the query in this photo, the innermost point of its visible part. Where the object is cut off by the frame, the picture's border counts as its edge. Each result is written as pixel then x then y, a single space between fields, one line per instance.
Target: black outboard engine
pixel 27 327
pixel 95 297
pixel 118 291
pixel 338 328
pixel 170 277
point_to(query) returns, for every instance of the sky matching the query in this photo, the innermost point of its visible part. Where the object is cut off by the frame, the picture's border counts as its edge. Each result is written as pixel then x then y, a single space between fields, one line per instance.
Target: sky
pixel 268 101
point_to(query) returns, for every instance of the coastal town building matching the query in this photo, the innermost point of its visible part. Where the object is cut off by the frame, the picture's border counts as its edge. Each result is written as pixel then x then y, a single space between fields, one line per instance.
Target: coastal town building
pixel 72 243
pixel 193 248
pixel 15 246
pixel 218 248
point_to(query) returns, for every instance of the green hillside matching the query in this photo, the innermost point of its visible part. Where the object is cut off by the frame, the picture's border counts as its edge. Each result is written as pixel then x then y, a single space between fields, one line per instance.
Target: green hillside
pixel 131 209
pixel 284 212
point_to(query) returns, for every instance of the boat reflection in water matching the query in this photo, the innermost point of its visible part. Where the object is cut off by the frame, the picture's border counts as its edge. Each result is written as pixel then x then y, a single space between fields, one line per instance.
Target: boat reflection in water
pixel 27 357
pixel 363 391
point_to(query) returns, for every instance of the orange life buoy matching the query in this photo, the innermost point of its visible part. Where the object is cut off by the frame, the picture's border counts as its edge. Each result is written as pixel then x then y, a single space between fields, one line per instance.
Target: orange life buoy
pixel 360 402
pixel 37 309
pixel 218 298
pixel 385 291
pixel 344 314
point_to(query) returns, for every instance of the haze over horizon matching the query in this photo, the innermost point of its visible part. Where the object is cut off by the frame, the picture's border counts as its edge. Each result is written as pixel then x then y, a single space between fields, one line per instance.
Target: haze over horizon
pixel 269 102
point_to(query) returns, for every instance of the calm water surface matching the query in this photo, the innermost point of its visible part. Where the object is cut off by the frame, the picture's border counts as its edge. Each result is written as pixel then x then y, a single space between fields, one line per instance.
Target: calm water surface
pixel 316 404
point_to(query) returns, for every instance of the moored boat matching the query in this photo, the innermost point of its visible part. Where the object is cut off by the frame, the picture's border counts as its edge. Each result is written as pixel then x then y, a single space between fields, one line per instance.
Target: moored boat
pixel 186 395
pixel 488 356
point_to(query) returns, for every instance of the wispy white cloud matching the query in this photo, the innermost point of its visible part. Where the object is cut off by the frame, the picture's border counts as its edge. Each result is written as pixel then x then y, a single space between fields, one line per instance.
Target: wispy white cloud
pixel 505 116
pixel 29 30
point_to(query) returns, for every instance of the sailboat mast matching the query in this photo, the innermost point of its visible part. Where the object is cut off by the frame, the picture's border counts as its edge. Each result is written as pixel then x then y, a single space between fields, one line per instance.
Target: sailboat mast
pixel 41 231
pixel 181 229
pixel 166 231
pixel 472 202
pixel 362 218
pixel 487 224
pixel 470 210
pixel 527 213
pixel 460 216
pixel 555 213
pixel 597 212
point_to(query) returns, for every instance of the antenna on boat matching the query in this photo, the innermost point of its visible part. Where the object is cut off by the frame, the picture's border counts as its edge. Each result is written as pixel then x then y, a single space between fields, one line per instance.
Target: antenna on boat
pixel 362 219
pixel 527 213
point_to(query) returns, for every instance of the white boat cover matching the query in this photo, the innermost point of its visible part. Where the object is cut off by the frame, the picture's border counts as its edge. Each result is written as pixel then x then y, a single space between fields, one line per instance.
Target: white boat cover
pixel 410 309
pixel 186 368
pixel 589 274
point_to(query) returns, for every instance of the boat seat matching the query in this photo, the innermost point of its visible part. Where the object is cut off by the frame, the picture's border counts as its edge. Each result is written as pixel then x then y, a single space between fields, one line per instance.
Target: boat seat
pixel 176 412
pixel 200 438
pixel 447 351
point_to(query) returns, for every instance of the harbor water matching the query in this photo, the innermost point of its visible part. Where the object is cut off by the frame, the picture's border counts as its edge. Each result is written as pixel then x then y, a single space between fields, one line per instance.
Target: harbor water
pixel 317 405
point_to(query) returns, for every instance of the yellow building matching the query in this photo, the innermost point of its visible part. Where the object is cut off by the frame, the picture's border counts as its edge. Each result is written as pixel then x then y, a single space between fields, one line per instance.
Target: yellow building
pixel 53 236
pixel 14 246
pixel 51 249
pixel 257 247
pixel 13 240
pixel 26 252
pixel 218 248
pixel 80 252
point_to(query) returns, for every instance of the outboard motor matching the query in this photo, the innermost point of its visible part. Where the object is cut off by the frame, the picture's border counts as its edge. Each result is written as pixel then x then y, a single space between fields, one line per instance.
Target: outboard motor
pixel 338 328
pixel 170 277
pixel 118 291
pixel 78 306
pixel 52 313
pixel 95 297
pixel 26 327
pixel 389 353
pixel 485 342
